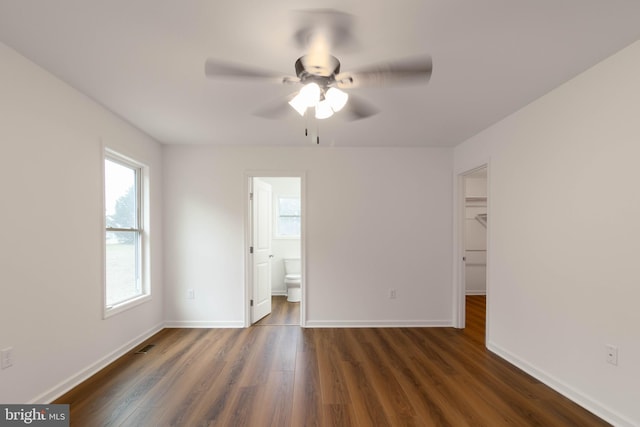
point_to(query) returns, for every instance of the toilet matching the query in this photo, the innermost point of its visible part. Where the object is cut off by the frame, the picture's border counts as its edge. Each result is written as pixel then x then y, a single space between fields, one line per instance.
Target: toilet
pixel 292 278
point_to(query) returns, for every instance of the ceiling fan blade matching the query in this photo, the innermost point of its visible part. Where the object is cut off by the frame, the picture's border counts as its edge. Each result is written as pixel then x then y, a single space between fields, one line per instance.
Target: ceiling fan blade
pixel 216 68
pixel 357 108
pixel 324 26
pixel 277 109
pixel 407 71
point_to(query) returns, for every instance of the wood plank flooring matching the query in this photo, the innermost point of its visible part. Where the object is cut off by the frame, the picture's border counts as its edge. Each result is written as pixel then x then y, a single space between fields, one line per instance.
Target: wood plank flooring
pixel 282 313
pixel 289 376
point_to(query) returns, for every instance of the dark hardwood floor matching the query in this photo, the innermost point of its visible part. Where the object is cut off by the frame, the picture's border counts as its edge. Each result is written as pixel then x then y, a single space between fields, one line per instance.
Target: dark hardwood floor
pixel 272 375
pixel 282 313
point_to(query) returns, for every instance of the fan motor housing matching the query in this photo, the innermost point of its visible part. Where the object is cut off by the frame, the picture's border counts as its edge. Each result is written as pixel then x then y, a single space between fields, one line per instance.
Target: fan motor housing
pixel 309 70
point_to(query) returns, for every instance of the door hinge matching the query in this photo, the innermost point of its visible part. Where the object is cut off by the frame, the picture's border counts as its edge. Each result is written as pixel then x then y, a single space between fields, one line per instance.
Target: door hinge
pixel 251 249
pixel 251 303
pixel 250 196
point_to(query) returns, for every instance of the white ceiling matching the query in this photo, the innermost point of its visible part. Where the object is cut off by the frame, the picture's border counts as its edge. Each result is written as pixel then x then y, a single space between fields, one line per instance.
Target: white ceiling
pixel 144 60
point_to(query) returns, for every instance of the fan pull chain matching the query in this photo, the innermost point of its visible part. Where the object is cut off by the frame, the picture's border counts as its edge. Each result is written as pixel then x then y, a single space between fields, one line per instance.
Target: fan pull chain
pixel 306 132
pixel 307 120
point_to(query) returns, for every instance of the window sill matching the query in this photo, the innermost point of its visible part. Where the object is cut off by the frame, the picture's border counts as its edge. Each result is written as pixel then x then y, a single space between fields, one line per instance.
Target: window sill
pixel 125 305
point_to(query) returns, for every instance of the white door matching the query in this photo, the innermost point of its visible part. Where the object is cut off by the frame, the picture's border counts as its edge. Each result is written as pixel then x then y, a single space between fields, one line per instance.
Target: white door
pixel 261 244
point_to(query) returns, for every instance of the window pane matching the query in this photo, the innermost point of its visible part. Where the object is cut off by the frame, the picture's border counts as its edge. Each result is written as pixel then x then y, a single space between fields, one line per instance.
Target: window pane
pixel 120 195
pixel 122 266
pixel 289 206
pixel 289 226
pixel 288 217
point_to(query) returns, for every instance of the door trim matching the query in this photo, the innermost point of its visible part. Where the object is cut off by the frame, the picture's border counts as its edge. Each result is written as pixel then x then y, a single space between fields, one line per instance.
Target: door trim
pixel 248 289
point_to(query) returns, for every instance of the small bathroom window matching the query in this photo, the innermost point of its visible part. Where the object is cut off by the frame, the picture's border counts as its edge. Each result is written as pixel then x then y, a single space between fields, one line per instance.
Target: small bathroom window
pixel 288 217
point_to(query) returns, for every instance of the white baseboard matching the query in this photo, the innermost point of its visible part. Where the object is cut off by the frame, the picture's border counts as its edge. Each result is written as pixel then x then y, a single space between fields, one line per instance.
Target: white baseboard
pixel 472 292
pixel 569 392
pixel 377 323
pixel 278 293
pixel 84 374
pixel 203 324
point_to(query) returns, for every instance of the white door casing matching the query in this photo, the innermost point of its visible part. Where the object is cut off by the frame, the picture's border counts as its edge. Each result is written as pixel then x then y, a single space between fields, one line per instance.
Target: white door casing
pixel 261 246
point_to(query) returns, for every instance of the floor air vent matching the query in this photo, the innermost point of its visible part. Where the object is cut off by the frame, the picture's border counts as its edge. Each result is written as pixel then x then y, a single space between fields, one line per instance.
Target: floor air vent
pixel 145 349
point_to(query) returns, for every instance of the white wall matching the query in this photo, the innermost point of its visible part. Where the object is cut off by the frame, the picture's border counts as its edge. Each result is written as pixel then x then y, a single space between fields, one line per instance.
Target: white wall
pixel 567 282
pixel 51 238
pixel 376 219
pixel 282 248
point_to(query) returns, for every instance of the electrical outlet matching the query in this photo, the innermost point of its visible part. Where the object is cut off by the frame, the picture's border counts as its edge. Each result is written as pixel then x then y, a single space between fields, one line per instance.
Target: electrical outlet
pixel 6 358
pixel 612 354
pixel 392 294
pixel 191 294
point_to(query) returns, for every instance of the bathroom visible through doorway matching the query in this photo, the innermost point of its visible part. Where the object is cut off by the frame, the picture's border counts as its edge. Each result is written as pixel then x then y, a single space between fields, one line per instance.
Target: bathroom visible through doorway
pixel 275 250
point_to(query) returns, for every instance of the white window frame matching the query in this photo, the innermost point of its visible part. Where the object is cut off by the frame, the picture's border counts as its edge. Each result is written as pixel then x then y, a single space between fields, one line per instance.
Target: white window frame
pixel 276 228
pixel 142 180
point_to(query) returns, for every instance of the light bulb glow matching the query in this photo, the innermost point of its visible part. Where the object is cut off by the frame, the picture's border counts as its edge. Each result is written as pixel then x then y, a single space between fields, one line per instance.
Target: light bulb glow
pixel 337 98
pixel 323 110
pixel 308 97
pixel 310 94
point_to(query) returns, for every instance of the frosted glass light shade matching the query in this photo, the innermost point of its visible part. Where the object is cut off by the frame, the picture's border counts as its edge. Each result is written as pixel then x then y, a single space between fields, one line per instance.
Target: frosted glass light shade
pixel 308 96
pixel 298 104
pixel 311 94
pixel 323 110
pixel 337 98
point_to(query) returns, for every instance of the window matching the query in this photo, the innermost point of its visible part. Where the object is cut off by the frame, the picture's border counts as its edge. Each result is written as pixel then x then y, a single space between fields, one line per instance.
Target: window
pixel 124 281
pixel 288 217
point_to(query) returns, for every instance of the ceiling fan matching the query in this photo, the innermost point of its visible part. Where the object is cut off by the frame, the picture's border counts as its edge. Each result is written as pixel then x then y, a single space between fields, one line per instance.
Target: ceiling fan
pixel 319 73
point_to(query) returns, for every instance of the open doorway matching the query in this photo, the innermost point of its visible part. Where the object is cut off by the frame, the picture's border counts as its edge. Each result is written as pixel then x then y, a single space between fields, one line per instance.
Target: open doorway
pixel 473 228
pixel 275 250
pixel 475 232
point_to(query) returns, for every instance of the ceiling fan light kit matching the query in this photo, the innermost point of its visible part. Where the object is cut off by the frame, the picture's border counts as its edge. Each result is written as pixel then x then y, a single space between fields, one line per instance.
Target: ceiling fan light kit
pixel 337 98
pixel 325 102
pixel 323 110
pixel 307 97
